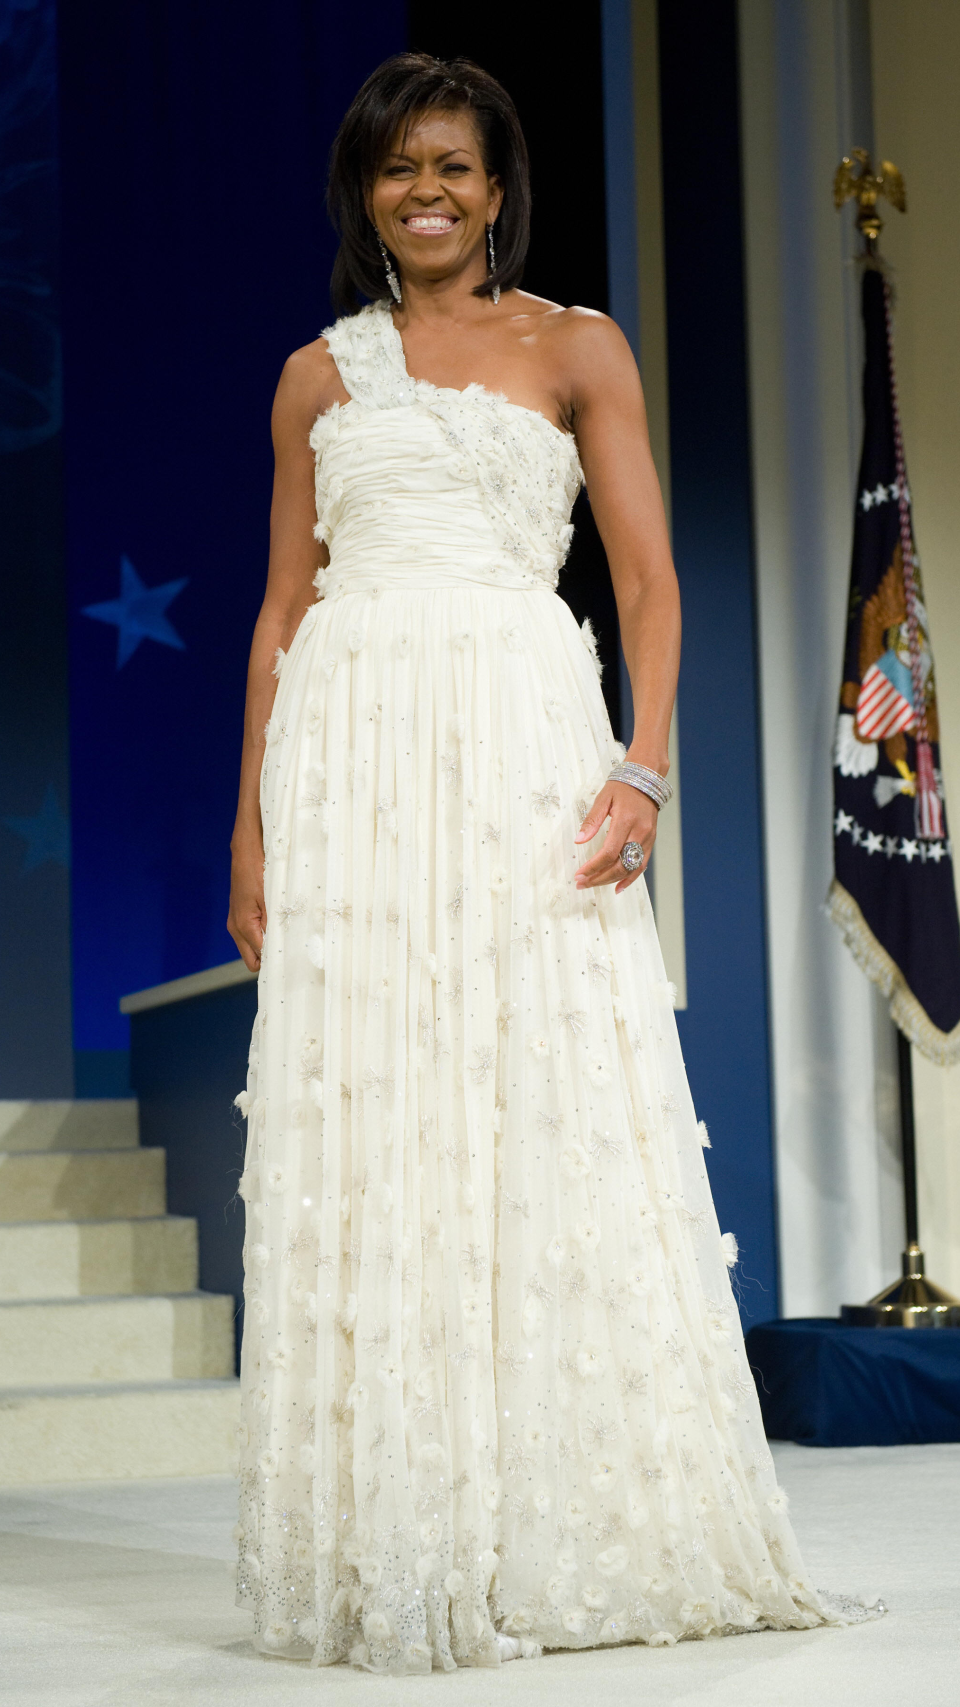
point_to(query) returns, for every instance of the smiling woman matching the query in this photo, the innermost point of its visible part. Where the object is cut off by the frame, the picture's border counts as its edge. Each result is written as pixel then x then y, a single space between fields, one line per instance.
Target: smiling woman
pixel 495 1395
pixel 380 120
pixel 437 184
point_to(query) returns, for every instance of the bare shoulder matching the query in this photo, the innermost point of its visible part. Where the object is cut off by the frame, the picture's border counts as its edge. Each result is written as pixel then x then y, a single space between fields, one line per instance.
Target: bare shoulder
pixel 309 385
pixel 587 341
pixel 581 348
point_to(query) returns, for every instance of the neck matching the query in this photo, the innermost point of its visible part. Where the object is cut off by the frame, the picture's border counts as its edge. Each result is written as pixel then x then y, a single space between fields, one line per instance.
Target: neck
pixel 450 298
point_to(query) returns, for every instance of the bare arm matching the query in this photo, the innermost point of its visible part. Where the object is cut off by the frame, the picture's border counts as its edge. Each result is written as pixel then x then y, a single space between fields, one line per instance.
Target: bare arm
pixel 610 422
pixel 294 559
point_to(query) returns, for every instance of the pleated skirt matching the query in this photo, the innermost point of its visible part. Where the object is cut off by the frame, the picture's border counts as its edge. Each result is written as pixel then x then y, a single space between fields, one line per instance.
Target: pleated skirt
pixel 492 1372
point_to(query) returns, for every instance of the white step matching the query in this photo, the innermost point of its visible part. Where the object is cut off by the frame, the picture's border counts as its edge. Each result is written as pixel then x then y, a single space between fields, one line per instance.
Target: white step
pixel 63 1342
pixel 82 1185
pixel 88 1125
pixel 75 1259
pixel 125 1431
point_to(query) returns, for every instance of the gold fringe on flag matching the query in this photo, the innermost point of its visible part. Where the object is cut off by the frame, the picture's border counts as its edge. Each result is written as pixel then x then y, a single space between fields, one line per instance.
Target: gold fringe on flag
pixel 941 1047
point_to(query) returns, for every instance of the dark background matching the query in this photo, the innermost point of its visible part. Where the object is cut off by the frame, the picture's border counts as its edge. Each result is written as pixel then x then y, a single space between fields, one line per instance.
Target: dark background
pixel 555 76
pixel 196 256
pixel 36 1045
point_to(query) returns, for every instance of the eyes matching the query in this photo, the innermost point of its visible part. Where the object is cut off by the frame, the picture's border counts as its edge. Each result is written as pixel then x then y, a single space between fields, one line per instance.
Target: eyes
pixel 404 169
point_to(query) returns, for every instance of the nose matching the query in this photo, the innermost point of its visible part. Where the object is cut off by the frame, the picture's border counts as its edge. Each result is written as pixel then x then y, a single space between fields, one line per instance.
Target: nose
pixel 427 188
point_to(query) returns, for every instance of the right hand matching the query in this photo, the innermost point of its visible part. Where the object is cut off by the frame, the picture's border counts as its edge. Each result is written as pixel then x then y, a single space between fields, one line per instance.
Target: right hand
pixel 247 918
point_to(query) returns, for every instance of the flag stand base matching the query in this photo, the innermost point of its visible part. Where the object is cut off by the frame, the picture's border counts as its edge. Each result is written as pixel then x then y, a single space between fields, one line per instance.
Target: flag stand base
pixel 913 1302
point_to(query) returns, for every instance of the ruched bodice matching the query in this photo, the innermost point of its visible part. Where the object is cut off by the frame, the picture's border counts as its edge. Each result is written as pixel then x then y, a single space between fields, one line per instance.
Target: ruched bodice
pixel 419 484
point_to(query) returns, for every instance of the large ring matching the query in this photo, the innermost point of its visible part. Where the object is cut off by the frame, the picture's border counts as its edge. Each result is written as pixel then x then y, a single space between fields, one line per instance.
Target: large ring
pixel 632 856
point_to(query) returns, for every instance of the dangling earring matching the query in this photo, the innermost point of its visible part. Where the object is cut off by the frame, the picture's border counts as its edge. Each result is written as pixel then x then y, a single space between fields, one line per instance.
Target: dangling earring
pixel 495 293
pixel 392 279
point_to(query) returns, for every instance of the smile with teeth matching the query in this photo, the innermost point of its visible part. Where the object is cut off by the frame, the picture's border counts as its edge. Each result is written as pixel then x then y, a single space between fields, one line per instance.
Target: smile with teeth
pixel 430 224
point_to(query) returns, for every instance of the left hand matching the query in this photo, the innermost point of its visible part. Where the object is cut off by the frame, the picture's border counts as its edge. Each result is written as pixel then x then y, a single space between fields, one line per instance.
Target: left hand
pixel 633 818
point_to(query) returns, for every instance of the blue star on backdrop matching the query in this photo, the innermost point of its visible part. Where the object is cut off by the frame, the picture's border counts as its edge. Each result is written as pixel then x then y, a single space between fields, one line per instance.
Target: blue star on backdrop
pixel 47 835
pixel 139 613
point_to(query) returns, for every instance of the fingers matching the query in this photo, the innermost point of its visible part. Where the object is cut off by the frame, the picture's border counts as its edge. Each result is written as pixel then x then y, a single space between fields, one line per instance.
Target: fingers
pixel 599 811
pixel 605 867
pixel 248 936
pixel 605 864
pixel 632 818
pixel 610 871
pixel 248 955
pixel 247 913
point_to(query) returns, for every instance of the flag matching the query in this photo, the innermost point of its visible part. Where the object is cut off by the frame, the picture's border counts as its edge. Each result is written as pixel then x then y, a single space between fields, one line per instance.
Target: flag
pixel 892 895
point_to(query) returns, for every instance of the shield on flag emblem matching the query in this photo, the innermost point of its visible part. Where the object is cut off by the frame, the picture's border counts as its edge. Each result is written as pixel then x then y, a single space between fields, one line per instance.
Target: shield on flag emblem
pixel 885 701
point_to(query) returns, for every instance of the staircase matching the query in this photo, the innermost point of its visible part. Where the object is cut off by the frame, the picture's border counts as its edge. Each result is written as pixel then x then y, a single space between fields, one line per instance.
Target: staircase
pixel 112 1363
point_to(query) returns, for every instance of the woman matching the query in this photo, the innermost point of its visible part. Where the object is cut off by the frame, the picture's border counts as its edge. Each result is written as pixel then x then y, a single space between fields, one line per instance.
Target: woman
pixel 494 1388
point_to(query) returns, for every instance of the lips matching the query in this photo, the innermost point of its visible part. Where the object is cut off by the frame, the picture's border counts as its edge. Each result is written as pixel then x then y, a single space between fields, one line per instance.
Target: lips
pixel 430 224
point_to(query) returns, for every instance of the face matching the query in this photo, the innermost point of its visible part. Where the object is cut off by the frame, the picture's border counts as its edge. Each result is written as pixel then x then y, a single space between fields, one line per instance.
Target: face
pixel 432 199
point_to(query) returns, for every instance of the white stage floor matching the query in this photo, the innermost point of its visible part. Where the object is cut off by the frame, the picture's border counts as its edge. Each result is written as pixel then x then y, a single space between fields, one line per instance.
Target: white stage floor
pixel 122 1593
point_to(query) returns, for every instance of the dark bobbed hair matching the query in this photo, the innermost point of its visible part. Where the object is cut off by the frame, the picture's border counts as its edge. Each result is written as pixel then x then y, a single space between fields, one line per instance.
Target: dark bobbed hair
pixel 399 89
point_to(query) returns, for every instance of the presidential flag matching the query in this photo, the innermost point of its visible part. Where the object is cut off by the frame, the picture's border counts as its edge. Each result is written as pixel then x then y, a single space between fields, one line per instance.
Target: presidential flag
pixel 893 894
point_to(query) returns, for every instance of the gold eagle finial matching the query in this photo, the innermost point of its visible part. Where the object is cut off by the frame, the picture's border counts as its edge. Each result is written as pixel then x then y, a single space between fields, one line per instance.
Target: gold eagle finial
pixel 865 185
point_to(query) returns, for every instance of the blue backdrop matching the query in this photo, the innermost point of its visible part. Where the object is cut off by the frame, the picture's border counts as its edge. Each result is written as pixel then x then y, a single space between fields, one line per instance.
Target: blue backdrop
pixel 725 1030
pixel 35 1021
pixel 196 257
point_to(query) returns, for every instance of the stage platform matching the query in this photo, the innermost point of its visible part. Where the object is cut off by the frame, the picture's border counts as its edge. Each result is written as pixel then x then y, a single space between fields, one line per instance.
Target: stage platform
pixel 123 1593
pixel 822 1383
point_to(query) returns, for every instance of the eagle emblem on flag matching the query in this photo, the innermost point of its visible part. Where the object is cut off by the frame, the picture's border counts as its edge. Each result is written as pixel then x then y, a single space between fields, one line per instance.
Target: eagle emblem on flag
pixel 881 701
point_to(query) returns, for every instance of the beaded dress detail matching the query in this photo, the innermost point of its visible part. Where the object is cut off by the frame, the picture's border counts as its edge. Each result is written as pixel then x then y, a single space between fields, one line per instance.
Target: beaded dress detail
pixel 493 1377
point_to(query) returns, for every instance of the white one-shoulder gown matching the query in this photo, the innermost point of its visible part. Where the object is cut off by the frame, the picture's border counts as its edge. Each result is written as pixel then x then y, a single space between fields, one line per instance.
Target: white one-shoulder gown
pixel 493 1377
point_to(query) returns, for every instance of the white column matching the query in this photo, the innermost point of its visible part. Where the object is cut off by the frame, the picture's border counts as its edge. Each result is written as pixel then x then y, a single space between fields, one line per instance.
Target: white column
pixel 638 304
pixel 805 102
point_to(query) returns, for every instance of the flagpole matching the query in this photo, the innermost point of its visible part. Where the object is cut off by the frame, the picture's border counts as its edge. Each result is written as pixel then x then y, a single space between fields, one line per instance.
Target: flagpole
pixel 908 1141
pixel 912 1301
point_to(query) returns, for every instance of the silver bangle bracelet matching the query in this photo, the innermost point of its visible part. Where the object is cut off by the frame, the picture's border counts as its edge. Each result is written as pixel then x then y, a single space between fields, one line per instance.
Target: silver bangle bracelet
pixel 649 782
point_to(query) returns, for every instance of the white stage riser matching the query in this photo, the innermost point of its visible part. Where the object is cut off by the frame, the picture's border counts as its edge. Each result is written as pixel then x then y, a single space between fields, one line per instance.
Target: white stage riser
pixel 63 1185
pixel 112 1363
pixel 111 1433
pixel 58 1342
pixel 60 1125
pixel 75 1259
